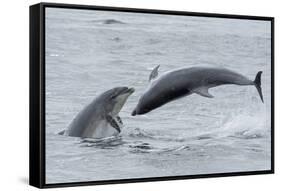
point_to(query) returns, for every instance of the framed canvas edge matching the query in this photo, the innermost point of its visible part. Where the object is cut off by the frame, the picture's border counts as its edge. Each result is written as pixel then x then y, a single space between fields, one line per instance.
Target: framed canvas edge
pixel 156 11
pixel 35 92
pixel 156 179
pixel 37 88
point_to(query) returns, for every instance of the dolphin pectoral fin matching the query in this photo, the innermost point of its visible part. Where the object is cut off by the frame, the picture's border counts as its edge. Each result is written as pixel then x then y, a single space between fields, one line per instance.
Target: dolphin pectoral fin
pixel 154 73
pixel 203 92
pixel 118 118
pixel 113 123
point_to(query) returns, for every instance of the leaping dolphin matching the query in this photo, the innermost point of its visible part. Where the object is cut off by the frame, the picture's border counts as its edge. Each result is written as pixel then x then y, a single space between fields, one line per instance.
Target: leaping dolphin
pixel 100 118
pixel 183 82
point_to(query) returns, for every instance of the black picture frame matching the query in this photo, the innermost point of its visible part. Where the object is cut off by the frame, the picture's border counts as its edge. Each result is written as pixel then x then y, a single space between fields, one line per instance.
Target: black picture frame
pixel 37 94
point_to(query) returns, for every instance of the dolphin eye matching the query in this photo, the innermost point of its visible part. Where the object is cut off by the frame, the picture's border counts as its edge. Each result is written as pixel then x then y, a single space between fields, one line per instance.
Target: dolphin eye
pixel 113 96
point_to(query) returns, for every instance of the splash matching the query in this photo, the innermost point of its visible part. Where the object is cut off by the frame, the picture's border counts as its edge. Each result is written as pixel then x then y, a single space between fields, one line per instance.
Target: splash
pixel 139 133
pixel 245 126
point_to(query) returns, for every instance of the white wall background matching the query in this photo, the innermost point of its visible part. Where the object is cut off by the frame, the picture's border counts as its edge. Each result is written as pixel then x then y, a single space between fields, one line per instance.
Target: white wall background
pixel 14 63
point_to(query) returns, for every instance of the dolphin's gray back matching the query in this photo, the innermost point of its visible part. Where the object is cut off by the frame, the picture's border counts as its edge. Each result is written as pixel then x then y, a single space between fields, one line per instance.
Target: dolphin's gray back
pixel 203 76
pixel 89 117
pixel 183 82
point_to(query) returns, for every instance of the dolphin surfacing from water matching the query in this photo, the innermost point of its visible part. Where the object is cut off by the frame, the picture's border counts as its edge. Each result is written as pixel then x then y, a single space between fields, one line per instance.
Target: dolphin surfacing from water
pixel 183 82
pixel 100 118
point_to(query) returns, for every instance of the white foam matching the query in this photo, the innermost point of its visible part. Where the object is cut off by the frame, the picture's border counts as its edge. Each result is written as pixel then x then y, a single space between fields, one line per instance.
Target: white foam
pixel 245 126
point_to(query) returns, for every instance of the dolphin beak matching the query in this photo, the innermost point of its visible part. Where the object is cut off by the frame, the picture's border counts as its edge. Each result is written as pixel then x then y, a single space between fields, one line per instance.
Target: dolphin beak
pixel 130 90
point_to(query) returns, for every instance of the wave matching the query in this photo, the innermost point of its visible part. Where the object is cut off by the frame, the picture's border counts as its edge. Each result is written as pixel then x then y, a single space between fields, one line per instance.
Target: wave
pixel 176 149
pixel 112 21
pixel 108 21
pixel 244 126
pixel 143 147
pixel 139 133
pixel 104 143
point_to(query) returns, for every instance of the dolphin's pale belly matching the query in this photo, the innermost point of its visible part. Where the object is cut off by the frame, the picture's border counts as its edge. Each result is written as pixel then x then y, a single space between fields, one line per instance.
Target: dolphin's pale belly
pixel 103 129
pixel 100 118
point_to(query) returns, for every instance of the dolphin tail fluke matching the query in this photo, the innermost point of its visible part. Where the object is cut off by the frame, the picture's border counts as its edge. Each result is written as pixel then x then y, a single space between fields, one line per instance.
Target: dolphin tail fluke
pixel 257 83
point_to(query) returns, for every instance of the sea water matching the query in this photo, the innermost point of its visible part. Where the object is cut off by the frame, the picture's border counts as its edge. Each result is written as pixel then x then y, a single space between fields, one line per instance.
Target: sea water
pixel 89 52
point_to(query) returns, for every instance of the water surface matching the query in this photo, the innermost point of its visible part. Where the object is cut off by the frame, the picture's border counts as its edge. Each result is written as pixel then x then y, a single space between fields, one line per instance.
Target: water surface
pixel 89 52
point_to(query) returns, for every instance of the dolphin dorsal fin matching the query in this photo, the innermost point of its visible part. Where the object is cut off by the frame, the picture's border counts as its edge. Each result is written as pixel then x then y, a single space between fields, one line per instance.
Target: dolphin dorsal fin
pixel 61 132
pixel 203 91
pixel 154 73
